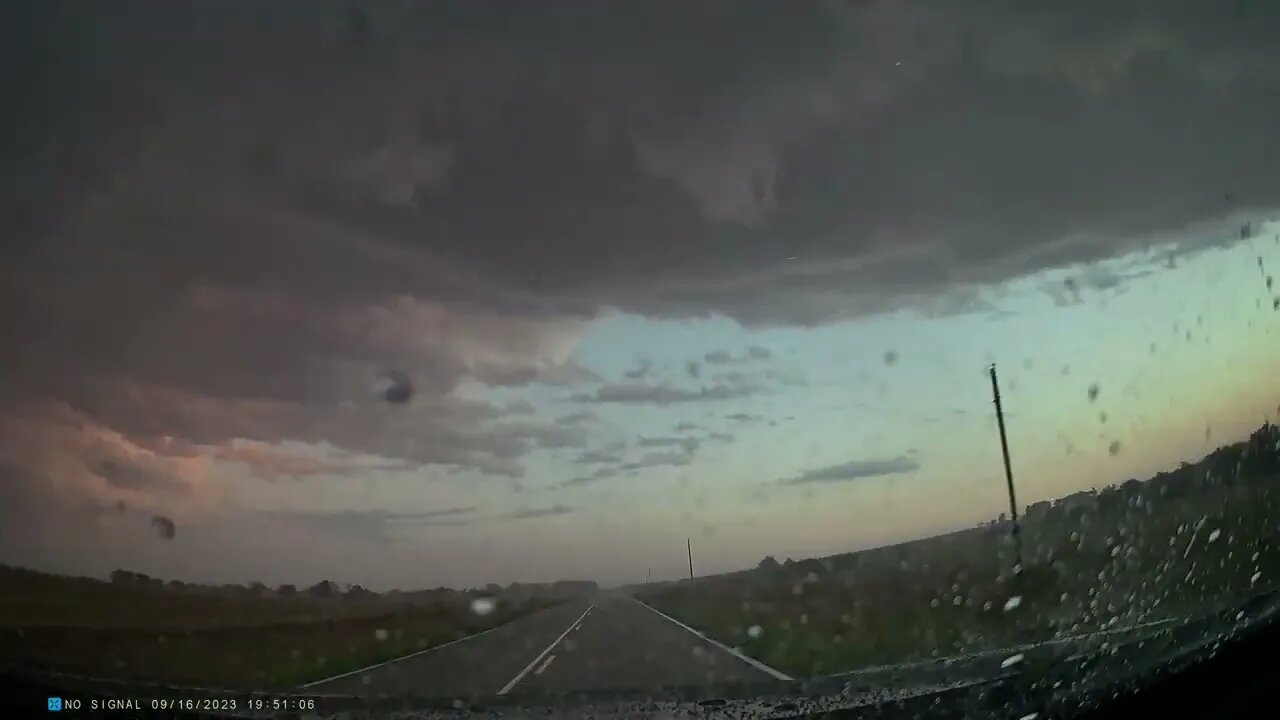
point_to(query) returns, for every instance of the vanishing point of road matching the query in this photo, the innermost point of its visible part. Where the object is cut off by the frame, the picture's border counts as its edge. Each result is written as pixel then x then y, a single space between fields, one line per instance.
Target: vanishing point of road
pixel 606 642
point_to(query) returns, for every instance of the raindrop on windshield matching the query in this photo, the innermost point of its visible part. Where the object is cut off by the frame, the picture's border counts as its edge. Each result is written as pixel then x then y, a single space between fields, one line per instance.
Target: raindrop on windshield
pixel 1214 535
pixel 755 631
pixel 483 605
pixel 1012 603
pixel 395 387
pixel 164 526
pixel 380 634
pixel 1012 660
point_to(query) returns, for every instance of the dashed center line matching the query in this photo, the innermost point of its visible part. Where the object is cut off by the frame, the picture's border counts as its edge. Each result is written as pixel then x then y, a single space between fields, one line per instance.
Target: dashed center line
pixel 520 675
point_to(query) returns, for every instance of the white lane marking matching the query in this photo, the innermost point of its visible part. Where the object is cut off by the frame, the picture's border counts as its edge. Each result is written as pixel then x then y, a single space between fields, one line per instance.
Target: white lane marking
pixel 520 675
pixel 748 660
pixel 544 664
pixel 374 666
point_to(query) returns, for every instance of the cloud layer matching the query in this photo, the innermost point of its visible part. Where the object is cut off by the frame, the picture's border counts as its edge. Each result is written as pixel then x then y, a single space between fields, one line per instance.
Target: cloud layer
pixel 856 470
pixel 211 259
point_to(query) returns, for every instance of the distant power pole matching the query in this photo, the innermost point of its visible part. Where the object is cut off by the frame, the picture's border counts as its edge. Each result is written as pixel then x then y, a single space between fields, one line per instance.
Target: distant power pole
pixel 648 576
pixel 1008 473
pixel 689 544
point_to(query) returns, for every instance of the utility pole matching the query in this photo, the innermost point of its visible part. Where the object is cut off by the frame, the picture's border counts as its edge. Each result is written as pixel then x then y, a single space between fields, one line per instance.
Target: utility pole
pixel 1008 473
pixel 648 576
pixel 689 544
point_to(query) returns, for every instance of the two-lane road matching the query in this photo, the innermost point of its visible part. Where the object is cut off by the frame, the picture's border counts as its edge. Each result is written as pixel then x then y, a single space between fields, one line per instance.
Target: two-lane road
pixel 610 641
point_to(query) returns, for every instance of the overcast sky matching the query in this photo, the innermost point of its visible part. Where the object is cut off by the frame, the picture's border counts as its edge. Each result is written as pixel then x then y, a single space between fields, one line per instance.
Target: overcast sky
pixel 728 271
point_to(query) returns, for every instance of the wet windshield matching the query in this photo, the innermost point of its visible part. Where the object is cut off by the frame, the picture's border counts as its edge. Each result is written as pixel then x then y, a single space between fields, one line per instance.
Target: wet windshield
pixel 459 351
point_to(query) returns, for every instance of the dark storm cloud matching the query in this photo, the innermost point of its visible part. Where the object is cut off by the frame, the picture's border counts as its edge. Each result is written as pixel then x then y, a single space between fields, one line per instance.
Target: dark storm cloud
pixel 530 513
pixel 856 470
pixel 209 245
pixel 733 377
pixel 568 373
pixel 577 418
pixel 373 525
pixel 752 354
pixel 640 394
pixel 601 474
pixel 658 459
pixel 608 454
pixel 688 444
pixel 520 407
pixel 640 370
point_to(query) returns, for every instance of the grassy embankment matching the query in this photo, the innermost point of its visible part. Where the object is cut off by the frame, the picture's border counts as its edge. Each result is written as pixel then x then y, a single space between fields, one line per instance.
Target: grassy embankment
pixel 208 638
pixel 1143 552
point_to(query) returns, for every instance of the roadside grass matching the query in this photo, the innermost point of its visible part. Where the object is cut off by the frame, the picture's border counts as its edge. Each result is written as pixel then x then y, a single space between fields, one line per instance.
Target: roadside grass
pixel 207 640
pixel 1145 560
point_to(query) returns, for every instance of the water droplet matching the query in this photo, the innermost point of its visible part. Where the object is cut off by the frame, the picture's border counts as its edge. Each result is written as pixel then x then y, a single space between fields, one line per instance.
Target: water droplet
pixel 1012 660
pixel 1093 392
pixel 933 603
pixel 1030 716
pixel 483 605
pixel 394 386
pixel 957 601
pixel 1012 603
pixel 164 526
pixel 380 634
pixel 1214 535
pixel 755 632
pixel 890 358
pixel 1256 577
pixel 1114 448
pixel 366 679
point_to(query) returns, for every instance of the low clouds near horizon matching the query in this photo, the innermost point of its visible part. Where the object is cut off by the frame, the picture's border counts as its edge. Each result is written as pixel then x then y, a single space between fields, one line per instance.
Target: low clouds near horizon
pixel 856 470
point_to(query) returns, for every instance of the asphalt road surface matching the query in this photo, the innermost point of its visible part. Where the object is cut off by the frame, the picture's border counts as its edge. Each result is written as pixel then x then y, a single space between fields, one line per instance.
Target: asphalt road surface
pixel 609 641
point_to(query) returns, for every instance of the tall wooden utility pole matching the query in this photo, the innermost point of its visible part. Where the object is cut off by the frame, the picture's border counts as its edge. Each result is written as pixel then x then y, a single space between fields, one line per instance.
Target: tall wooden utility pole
pixel 689 544
pixel 1008 473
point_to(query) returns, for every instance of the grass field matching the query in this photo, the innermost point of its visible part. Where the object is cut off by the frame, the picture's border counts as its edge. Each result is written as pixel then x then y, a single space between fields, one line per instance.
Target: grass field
pixel 212 639
pixel 1134 554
